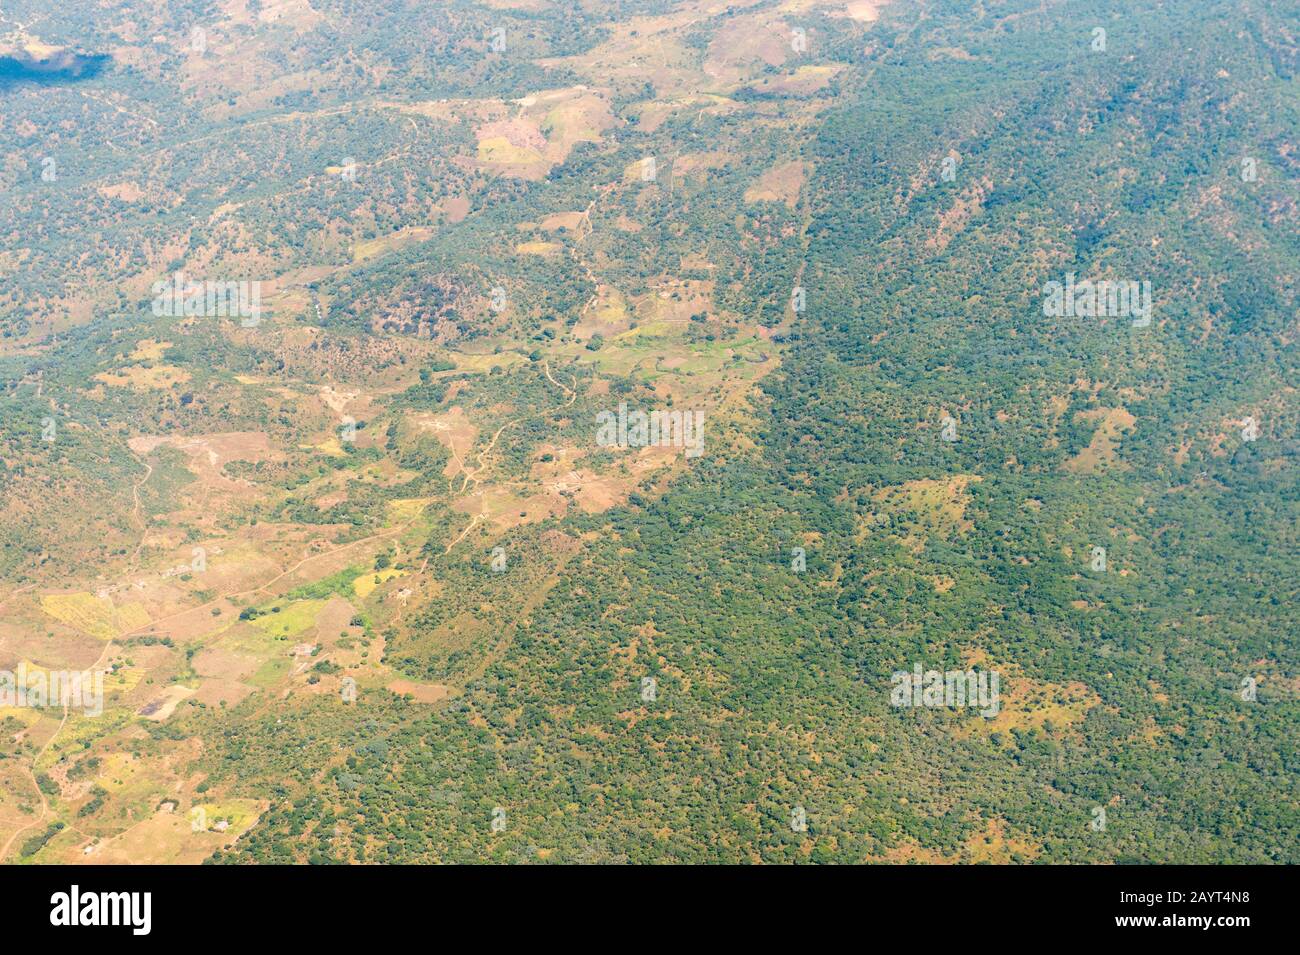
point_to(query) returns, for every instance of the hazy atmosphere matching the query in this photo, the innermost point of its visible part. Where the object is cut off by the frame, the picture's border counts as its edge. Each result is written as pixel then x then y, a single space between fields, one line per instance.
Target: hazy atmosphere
pixel 649 431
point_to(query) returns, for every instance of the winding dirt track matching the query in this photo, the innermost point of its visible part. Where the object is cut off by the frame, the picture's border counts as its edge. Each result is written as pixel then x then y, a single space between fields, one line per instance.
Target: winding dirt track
pixel 570 391
pixel 467 475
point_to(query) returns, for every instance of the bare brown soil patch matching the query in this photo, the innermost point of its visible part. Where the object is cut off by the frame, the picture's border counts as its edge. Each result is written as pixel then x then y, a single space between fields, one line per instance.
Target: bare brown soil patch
pixel 744 46
pixel 562 220
pixel 214 692
pixel 454 430
pixel 122 191
pixel 226 664
pixel 164 704
pixel 420 692
pixel 207 454
pixel 998 845
pixel 1100 452
pixel 543 131
pixel 779 184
